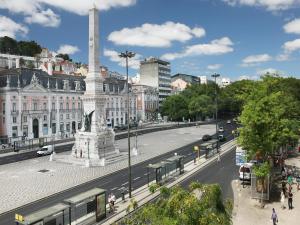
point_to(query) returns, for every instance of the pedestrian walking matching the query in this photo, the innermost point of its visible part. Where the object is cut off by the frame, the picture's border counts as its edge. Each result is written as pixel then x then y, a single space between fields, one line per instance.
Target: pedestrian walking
pixel 282 199
pixel 283 187
pixel 274 217
pixel 290 200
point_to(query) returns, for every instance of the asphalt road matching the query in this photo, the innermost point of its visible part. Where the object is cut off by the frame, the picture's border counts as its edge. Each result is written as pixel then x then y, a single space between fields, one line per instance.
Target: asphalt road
pixel 32 154
pixel 114 182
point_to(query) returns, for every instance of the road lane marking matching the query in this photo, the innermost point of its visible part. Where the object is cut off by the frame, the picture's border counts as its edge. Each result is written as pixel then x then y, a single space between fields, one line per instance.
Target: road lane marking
pixel 136 178
pixel 124 184
pixel 114 188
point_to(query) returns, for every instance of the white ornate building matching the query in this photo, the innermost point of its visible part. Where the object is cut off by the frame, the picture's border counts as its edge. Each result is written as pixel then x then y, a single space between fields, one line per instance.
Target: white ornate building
pixel 35 104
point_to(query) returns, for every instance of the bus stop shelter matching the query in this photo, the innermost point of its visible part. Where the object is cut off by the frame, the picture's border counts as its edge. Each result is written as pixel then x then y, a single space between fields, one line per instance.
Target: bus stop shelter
pixel 177 162
pixel 165 169
pixel 89 205
pixel 209 147
pixel 54 215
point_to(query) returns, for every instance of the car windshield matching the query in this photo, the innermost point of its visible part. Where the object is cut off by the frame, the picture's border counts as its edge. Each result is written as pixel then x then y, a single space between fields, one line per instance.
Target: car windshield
pixel 245 170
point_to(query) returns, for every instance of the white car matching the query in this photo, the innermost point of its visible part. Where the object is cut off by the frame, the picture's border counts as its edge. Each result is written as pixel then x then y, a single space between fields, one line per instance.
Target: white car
pixel 245 171
pixel 221 129
pixel 228 121
pixel 46 150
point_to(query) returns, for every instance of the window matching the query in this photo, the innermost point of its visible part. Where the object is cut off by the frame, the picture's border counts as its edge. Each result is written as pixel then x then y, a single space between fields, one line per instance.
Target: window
pixel 68 116
pixel 53 117
pixel 25 131
pixel 45 129
pixel 53 105
pixel 68 127
pixel 61 116
pixel 24 106
pixel 53 128
pixel 61 106
pixel 35 106
pixel 3 120
pixel 15 131
pixel 24 119
pixel 67 106
pixel 78 105
pixel 14 107
pixel 45 117
pixel 14 119
pixel 3 108
pixel 73 105
pixel 45 106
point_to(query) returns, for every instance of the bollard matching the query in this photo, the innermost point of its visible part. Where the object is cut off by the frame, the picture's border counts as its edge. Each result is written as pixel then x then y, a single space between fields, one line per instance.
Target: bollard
pixel 123 195
pixel 194 160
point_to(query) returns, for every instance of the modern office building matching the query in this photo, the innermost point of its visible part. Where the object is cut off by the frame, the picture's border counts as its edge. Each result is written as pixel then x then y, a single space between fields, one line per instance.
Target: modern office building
pixel 156 73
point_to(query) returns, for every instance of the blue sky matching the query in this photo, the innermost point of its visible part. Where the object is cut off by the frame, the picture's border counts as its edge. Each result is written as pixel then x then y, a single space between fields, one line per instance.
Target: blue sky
pixel 232 37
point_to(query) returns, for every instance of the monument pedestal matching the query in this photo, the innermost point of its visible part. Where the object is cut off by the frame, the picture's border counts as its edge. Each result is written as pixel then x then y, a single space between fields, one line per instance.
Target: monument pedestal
pixel 94 146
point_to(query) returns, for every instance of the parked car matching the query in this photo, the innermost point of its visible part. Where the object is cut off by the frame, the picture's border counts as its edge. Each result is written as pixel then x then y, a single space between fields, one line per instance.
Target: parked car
pixel 46 150
pixel 206 137
pixel 245 171
pixel 221 129
pixel 222 138
pixel 228 122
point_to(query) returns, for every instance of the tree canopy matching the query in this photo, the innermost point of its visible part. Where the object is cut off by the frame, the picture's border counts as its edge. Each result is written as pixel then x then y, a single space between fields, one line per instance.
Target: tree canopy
pixel 270 117
pixel 202 204
pixel 64 56
pixel 26 48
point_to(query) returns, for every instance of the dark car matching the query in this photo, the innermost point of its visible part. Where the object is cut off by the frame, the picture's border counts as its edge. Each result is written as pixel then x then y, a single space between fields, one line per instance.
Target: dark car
pixel 206 137
pixel 222 138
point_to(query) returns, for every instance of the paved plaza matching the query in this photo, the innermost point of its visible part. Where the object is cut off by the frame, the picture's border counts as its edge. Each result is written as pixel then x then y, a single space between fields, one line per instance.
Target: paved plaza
pixel 31 180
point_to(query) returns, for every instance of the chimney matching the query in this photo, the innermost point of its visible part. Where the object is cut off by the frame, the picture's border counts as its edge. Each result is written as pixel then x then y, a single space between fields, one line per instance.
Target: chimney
pixel 50 69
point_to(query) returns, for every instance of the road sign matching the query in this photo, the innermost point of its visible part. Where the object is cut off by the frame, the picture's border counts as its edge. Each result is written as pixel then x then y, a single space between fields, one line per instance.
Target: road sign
pixel 240 156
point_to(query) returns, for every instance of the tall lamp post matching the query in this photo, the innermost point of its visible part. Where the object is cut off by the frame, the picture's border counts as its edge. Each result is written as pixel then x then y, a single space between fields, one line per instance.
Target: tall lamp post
pixel 216 101
pixel 128 55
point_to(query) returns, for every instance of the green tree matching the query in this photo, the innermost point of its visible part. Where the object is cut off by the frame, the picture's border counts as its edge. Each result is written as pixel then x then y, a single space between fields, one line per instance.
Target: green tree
pixel 8 45
pixel 201 106
pixel 203 204
pixel 64 56
pixel 270 118
pixel 175 107
pixel 29 48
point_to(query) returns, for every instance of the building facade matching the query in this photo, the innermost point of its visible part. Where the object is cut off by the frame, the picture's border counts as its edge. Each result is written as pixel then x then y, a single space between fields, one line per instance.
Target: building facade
pixel 147 102
pixel 35 104
pixel 156 73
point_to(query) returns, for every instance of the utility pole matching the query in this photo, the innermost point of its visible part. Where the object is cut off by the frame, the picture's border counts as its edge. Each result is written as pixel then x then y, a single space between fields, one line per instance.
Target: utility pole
pixel 127 55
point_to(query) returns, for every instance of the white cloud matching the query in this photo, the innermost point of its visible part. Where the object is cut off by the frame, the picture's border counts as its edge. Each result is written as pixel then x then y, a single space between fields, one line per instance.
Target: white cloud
pixel 246 77
pixel 47 18
pixel 38 11
pixel 270 71
pixel 270 5
pixel 214 66
pixel 254 60
pixel 291 46
pixel 283 57
pixel 293 26
pixel 215 47
pixel 10 28
pixel 113 56
pixel 68 49
pixel 155 35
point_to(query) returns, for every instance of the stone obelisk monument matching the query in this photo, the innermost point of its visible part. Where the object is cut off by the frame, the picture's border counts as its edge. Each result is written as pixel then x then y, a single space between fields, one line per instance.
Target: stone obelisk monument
pixel 95 139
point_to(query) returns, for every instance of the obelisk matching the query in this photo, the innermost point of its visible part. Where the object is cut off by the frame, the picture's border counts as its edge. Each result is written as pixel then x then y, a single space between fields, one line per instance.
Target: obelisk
pixel 95 139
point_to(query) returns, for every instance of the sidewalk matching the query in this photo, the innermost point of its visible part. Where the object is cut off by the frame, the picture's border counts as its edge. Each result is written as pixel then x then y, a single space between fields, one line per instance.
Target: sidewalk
pixel 248 211
pixel 143 196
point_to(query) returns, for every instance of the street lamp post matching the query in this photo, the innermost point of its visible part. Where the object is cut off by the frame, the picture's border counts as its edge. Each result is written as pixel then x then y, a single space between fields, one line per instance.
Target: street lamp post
pixel 216 101
pixel 127 55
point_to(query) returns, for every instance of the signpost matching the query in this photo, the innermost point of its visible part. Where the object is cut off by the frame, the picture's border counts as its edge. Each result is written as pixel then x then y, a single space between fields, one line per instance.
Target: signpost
pixel 240 156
